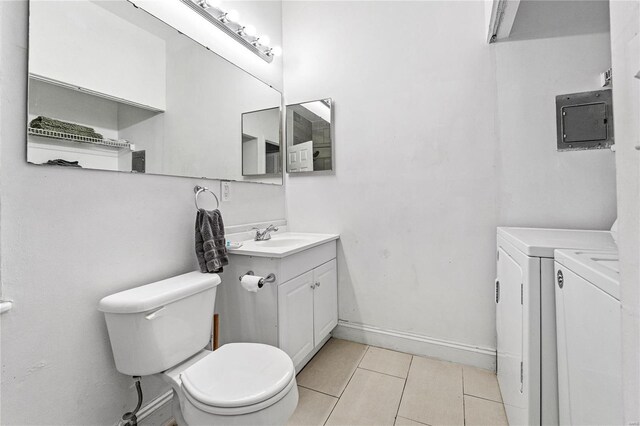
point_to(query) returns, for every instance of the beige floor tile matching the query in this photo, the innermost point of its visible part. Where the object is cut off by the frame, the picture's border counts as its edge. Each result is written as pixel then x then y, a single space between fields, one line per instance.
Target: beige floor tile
pixel 482 412
pixel 313 408
pixel 401 421
pixel 330 370
pixel 482 383
pixel 370 399
pixel 386 361
pixel 433 394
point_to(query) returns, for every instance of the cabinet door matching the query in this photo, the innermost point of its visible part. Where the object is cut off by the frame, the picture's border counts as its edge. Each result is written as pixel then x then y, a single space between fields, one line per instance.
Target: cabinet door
pixel 325 300
pixel 295 316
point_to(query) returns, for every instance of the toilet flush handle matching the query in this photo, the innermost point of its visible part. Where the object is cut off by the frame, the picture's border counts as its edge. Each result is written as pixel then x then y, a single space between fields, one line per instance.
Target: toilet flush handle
pixel 154 314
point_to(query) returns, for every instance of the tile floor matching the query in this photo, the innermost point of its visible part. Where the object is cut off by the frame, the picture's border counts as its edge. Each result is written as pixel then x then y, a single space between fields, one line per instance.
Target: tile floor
pixel 347 383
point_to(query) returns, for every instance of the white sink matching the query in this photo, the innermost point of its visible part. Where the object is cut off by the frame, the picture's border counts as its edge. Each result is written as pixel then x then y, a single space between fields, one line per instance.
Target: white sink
pixel 284 244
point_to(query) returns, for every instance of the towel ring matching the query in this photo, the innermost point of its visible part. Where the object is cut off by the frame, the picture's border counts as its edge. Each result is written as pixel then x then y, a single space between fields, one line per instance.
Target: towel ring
pixel 200 189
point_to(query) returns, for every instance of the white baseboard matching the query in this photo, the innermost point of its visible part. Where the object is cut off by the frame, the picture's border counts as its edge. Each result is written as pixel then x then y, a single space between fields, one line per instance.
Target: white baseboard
pixel 417 344
pixel 154 404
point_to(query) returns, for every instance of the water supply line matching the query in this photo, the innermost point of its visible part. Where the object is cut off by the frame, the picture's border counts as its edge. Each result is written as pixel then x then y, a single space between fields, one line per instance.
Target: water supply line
pixel 130 419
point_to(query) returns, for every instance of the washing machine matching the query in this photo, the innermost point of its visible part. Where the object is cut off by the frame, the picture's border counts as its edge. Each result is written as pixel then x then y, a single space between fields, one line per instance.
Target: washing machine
pixel 588 320
pixel 526 317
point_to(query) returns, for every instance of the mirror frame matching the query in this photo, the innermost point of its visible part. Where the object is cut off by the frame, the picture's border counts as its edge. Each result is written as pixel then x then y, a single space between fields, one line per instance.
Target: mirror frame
pixel 331 132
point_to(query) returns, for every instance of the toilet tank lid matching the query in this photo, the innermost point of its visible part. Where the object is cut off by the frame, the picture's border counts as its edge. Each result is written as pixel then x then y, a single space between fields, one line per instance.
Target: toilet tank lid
pixel 159 293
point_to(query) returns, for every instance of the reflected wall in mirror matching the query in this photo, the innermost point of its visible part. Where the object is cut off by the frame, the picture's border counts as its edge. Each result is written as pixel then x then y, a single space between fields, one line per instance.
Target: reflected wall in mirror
pixel 113 88
pixel 309 136
pixel 261 153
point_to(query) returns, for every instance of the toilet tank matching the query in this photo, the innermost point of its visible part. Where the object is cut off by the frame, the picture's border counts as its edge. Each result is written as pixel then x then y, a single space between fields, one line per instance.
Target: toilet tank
pixel 156 326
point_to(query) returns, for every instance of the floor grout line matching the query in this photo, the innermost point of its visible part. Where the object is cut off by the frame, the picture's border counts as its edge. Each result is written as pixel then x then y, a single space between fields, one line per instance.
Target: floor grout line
pixel 483 398
pixel 345 388
pixel 365 354
pixel 425 424
pixel 464 406
pixel 315 390
pixel 404 387
pixel 386 374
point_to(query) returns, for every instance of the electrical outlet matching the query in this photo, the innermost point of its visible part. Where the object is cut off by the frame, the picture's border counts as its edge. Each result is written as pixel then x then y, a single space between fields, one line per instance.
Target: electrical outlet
pixel 225 190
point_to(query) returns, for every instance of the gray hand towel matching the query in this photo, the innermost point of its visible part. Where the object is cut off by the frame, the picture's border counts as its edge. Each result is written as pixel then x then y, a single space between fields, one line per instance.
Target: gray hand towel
pixel 210 243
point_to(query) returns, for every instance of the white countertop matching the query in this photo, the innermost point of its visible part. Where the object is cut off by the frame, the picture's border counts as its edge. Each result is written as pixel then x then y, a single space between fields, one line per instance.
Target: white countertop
pixel 282 244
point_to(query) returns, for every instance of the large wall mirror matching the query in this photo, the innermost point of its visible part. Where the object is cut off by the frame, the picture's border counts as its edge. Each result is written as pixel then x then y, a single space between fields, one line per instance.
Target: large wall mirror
pixel 309 136
pixel 111 87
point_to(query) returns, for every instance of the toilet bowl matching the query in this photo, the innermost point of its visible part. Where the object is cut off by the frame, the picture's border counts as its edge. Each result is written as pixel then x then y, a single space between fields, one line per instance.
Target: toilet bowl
pixel 239 384
pixel 161 328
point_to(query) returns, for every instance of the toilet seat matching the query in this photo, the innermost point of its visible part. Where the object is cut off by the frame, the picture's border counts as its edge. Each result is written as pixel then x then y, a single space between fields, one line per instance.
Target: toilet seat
pixel 238 378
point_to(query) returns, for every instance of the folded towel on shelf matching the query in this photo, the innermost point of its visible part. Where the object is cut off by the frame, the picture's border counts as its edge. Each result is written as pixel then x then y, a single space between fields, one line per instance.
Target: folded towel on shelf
pixel 61 162
pixel 210 244
pixel 46 123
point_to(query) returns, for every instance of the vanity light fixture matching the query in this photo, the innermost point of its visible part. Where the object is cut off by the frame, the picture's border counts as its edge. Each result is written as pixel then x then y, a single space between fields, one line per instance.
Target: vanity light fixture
pixel 206 4
pixel 262 40
pixel 275 51
pixel 248 30
pixel 228 21
pixel 230 16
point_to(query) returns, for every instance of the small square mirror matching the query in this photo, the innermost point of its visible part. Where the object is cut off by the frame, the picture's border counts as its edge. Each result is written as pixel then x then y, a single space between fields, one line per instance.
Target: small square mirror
pixel 309 136
pixel 261 142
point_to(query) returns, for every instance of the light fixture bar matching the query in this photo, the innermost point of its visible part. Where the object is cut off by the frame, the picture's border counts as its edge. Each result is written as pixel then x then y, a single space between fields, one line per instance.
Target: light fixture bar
pixel 234 34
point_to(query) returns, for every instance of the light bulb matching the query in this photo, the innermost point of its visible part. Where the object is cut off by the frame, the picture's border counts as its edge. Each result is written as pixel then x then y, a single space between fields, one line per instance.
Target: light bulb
pixel 264 40
pixel 249 30
pixel 276 51
pixel 208 4
pixel 233 15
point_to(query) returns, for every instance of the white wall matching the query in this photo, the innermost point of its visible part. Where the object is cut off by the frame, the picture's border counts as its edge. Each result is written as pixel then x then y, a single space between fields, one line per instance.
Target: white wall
pixel 120 68
pixel 437 136
pixel 625 53
pixel 70 237
pixel 539 186
pixel 414 192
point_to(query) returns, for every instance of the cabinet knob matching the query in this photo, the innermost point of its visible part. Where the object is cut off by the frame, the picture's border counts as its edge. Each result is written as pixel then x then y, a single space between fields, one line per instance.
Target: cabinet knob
pixel 313 286
pixel 318 284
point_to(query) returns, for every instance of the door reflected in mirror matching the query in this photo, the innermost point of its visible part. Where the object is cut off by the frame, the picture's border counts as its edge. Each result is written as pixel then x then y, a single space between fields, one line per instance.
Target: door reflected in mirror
pixel 261 153
pixel 309 136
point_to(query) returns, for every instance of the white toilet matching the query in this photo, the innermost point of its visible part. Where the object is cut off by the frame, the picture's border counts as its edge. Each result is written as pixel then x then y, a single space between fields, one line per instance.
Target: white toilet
pixel 161 329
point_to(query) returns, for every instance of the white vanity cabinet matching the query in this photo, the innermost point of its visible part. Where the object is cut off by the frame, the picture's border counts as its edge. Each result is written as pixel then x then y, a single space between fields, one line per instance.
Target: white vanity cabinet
pixel 307 310
pixel 296 312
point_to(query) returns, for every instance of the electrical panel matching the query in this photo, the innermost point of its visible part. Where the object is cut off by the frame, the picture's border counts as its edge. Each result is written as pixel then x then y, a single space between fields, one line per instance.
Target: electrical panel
pixel 584 120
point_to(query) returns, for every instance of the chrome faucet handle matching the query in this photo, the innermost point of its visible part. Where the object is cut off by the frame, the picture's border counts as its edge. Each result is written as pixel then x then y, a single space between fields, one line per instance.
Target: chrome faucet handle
pixel 262 235
pixel 259 233
pixel 267 232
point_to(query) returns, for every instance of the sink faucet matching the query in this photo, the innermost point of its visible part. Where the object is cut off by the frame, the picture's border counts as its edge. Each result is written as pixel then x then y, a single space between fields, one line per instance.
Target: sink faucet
pixel 264 235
